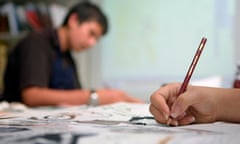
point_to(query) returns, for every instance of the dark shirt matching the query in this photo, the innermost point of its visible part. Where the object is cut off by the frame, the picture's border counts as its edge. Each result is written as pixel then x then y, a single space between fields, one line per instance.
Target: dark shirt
pixel 38 61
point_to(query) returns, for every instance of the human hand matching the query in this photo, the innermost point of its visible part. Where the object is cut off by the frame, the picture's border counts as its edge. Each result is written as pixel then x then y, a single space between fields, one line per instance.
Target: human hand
pixel 107 96
pixel 196 105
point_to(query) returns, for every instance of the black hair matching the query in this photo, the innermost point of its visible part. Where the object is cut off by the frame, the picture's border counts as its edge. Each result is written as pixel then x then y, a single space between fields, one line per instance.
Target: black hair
pixel 87 11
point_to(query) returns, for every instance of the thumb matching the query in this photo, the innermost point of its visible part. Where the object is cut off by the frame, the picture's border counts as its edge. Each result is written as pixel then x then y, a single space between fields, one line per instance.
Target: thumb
pixel 180 105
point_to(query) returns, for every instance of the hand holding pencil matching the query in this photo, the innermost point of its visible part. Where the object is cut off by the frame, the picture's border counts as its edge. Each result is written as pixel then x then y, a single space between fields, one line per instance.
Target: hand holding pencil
pixel 181 104
pixel 172 116
pixel 196 105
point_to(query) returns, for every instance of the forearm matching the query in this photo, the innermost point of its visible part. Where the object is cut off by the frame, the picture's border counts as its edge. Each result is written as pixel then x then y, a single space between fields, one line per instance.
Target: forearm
pixel 228 105
pixel 36 96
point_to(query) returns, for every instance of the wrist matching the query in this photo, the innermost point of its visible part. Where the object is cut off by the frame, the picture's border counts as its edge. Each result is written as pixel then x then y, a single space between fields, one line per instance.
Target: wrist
pixel 93 98
pixel 221 101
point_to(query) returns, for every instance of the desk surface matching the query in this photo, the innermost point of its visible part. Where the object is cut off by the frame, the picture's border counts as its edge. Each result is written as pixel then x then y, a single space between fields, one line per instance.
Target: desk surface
pixel 104 124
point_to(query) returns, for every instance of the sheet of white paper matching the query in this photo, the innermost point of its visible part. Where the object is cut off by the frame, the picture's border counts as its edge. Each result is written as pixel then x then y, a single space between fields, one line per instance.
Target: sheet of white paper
pixel 214 81
pixel 110 124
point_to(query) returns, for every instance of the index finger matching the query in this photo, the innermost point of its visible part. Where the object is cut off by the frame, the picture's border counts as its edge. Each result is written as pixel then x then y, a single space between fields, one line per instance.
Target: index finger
pixel 160 98
pixel 159 101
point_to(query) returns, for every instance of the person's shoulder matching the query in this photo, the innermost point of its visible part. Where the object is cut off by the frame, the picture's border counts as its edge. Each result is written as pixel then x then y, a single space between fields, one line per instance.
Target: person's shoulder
pixel 36 39
pixel 39 35
pixel 35 42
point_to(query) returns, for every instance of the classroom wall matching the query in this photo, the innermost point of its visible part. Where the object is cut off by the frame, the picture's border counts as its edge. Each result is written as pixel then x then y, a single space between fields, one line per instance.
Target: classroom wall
pixel 153 42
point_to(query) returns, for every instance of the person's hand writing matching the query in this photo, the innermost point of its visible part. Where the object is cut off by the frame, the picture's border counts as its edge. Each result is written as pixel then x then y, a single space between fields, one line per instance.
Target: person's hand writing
pixel 196 105
pixel 107 96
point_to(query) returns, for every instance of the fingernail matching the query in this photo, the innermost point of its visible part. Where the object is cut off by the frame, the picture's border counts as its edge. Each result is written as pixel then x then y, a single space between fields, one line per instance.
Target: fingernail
pixel 193 119
pixel 175 123
pixel 165 116
pixel 174 113
pixel 169 121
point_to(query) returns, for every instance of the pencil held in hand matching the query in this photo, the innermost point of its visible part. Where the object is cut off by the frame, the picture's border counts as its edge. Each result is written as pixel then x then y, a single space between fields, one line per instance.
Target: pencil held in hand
pixel 172 119
pixel 192 66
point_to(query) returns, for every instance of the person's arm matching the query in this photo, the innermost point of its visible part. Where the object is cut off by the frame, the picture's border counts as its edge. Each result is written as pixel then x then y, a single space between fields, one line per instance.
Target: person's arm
pixel 228 105
pixel 38 96
pixel 196 105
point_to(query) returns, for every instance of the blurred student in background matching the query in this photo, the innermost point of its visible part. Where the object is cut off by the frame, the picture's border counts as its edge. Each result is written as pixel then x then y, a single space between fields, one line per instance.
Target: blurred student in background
pixel 41 70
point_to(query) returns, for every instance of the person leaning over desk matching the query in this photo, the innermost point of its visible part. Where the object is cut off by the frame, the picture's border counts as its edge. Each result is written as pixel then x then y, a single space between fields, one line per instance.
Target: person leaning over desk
pixel 41 70
pixel 196 105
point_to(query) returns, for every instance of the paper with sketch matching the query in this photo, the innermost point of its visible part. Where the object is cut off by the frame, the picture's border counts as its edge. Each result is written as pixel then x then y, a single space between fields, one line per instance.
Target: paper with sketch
pixel 106 124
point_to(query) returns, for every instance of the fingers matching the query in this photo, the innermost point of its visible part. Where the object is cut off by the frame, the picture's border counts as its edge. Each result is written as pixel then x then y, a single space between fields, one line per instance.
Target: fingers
pixel 167 107
pixel 192 106
pixel 174 122
pixel 159 116
pixel 159 104
pixel 124 97
pixel 112 95
pixel 134 100
pixel 181 104
pixel 187 120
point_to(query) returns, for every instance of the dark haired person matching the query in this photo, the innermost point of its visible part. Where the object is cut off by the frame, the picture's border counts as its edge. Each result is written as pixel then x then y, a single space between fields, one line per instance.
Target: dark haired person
pixel 41 70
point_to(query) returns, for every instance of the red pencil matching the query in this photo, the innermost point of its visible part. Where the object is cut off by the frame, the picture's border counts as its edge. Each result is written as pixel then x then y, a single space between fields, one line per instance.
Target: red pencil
pixel 190 72
pixel 192 66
